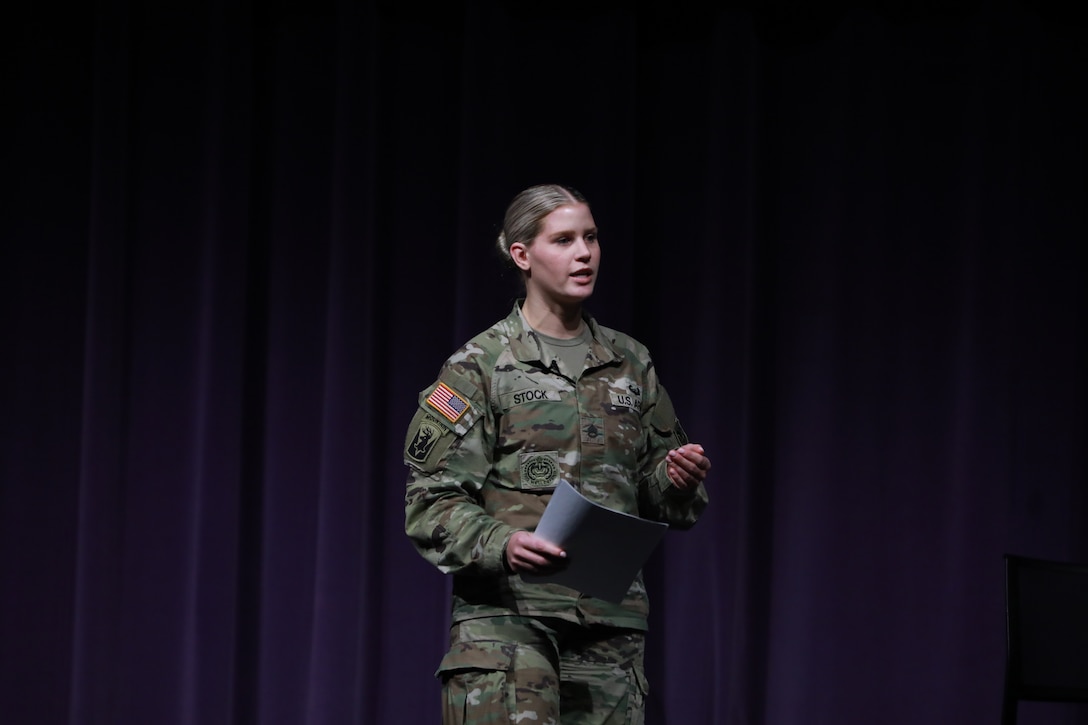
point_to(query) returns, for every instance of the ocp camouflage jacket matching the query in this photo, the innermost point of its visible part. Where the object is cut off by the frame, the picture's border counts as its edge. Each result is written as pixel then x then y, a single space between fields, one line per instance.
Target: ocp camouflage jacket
pixel 498 430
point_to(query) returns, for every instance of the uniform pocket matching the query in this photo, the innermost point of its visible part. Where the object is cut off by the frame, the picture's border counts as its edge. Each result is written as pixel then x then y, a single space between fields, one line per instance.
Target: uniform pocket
pixel 494 656
pixel 486 681
pixel 477 683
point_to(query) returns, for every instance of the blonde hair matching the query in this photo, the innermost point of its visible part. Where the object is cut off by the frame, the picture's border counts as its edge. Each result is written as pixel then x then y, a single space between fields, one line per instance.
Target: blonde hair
pixel 529 207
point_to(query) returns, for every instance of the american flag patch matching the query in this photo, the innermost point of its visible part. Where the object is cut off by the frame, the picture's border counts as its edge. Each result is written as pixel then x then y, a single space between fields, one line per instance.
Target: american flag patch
pixel 448 403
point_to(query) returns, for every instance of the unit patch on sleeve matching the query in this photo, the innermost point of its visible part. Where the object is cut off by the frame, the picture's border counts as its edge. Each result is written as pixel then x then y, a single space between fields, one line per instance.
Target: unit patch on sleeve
pixel 451 405
pixel 428 442
pixel 423 441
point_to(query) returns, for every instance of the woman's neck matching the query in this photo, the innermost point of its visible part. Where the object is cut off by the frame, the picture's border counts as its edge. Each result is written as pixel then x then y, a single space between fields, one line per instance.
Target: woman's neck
pixel 552 319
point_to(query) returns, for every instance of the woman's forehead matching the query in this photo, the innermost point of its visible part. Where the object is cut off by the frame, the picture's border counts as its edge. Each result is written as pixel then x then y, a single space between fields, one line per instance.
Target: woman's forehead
pixel 573 216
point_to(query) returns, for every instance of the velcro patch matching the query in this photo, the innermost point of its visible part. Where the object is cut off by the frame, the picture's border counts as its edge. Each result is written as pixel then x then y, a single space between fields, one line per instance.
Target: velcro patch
pixel 592 430
pixel 540 470
pixel 423 441
pixel 530 395
pixel 427 442
pixel 447 402
pixel 624 400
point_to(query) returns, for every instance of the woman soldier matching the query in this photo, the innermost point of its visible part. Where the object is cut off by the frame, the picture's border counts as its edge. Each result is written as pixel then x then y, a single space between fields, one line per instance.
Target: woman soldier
pixel 545 395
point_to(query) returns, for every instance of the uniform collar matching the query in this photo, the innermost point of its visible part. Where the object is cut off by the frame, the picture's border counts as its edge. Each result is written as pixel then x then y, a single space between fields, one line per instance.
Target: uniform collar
pixel 527 347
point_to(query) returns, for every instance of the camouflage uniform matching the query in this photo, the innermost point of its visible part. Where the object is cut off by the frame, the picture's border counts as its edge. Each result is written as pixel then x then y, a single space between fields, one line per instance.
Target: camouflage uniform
pixel 492 437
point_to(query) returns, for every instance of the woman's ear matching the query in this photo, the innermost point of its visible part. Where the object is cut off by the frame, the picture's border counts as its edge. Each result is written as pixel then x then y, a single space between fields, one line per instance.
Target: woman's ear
pixel 519 252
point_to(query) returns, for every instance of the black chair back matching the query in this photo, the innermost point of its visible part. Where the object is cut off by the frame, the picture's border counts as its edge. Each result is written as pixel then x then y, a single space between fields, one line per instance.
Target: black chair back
pixel 1046 605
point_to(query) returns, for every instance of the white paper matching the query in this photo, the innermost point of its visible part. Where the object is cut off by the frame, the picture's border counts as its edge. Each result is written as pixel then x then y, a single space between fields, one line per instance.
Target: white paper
pixel 605 548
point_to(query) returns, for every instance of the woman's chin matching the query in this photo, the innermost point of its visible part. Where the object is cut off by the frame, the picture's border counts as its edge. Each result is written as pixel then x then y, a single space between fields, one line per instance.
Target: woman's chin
pixel 581 291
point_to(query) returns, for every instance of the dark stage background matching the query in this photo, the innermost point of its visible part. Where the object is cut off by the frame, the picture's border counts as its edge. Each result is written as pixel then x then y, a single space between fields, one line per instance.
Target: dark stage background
pixel 240 238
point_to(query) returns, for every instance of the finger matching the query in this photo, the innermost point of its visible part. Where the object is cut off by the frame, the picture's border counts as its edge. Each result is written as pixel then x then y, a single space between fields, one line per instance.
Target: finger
pixel 679 477
pixel 545 547
pixel 694 454
pixel 686 461
pixel 539 563
pixel 528 561
pixel 685 473
pixel 700 461
pixel 699 466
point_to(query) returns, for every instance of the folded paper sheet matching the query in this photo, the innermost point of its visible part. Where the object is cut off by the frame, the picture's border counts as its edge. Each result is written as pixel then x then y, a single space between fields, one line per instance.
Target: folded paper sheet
pixel 605 548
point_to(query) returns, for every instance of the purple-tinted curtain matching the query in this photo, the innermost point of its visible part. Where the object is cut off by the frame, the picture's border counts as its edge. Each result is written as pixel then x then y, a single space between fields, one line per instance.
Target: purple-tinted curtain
pixel 240 238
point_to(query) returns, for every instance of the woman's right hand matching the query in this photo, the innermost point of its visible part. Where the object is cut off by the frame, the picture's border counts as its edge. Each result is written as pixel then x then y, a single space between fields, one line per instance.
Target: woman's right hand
pixel 527 553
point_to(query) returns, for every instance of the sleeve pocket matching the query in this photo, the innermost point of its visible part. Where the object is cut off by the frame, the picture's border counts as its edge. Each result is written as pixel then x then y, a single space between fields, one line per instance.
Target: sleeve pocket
pixel 665 423
pixel 664 416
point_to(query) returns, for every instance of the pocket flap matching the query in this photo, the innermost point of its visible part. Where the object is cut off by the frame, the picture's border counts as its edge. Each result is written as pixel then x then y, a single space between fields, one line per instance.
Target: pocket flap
pixel 479 656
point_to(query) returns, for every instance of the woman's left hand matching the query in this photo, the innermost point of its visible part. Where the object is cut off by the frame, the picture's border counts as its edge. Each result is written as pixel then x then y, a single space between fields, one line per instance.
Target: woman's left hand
pixel 687 466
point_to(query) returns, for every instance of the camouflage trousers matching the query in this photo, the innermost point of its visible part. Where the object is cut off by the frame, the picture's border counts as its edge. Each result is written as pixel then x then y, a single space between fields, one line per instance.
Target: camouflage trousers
pixel 545 672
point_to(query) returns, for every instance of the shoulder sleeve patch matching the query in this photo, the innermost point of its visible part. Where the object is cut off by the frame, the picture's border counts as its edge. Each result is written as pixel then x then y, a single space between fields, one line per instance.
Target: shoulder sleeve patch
pixel 447 410
pixel 427 442
pixel 448 403
pixel 454 402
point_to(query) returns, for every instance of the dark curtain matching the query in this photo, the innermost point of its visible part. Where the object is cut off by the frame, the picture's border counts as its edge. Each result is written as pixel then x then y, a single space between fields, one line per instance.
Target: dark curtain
pixel 239 238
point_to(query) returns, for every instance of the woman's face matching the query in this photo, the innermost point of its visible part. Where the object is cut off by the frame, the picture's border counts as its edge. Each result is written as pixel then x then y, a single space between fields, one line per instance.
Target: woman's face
pixel 561 263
